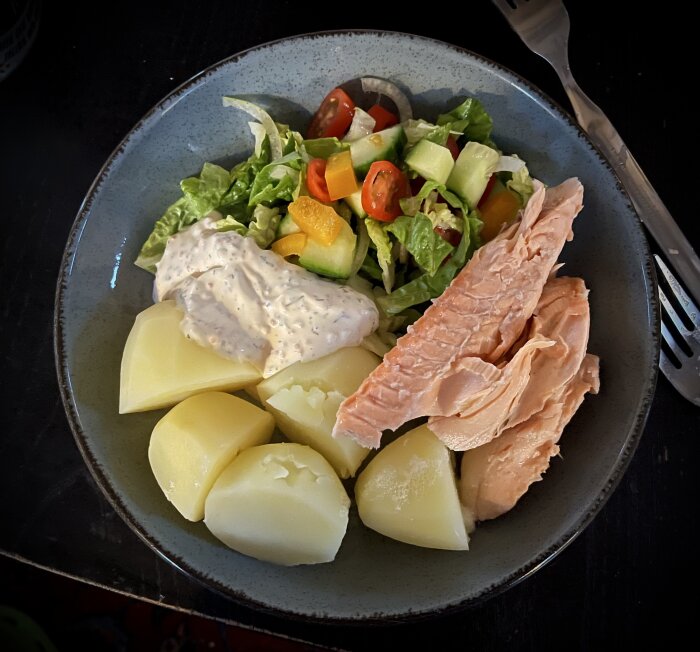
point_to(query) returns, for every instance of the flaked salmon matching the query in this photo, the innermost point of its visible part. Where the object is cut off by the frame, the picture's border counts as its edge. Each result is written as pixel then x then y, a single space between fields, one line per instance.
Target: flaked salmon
pixel 494 476
pixel 482 396
pixel 562 317
pixel 480 315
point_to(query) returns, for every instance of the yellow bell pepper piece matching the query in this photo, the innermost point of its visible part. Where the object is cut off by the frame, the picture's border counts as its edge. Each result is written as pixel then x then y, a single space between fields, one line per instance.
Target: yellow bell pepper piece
pixel 340 175
pixel 320 222
pixel 290 245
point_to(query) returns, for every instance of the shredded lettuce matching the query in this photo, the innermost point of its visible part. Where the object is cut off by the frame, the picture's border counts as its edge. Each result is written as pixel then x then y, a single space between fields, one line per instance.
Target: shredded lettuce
pixel 278 181
pixel 291 140
pixel 263 226
pixel 381 241
pixel 235 201
pixel 201 195
pixel 416 130
pixel 521 183
pixel 427 202
pixel 323 147
pixel 426 287
pixel 417 235
pixel 471 119
pixel 230 223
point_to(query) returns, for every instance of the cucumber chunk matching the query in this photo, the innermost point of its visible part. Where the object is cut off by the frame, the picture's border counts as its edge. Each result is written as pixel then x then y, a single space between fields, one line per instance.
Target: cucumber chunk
pixel 431 161
pixel 354 201
pixel 385 145
pixel 333 260
pixel 471 172
pixel 287 226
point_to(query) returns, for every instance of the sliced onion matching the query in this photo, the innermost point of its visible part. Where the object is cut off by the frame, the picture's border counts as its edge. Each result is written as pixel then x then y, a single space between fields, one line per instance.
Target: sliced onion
pixel 259 134
pixel 509 164
pixel 362 125
pixel 263 117
pixel 397 96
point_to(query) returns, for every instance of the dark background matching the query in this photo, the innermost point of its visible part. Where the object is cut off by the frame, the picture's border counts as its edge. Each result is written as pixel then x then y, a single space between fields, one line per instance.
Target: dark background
pixel 92 73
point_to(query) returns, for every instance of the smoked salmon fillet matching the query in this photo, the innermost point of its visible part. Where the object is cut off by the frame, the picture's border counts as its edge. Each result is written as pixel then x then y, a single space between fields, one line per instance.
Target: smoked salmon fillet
pixel 480 315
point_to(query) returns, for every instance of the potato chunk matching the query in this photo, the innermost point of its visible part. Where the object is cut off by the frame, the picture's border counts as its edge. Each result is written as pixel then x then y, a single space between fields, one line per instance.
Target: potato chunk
pixel 281 503
pixel 408 492
pixel 194 442
pixel 160 366
pixel 304 399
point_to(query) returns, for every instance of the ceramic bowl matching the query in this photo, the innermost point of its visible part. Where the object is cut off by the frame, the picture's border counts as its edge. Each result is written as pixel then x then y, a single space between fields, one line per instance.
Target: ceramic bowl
pixel 100 292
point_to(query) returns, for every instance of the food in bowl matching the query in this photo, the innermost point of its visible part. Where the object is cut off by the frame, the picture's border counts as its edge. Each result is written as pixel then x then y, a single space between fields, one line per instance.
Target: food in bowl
pixel 375 236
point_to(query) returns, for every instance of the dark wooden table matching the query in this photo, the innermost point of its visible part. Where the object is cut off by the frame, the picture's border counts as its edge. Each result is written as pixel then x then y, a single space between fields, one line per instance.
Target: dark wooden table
pixel 91 75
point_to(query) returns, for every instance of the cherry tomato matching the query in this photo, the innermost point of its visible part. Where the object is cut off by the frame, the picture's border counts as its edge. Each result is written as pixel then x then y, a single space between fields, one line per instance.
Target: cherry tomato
pixel 382 118
pixel 316 179
pixel 451 144
pixel 384 185
pixel 333 117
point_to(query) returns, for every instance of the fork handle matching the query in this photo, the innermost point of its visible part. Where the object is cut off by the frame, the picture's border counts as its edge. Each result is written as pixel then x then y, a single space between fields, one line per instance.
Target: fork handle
pixel 651 210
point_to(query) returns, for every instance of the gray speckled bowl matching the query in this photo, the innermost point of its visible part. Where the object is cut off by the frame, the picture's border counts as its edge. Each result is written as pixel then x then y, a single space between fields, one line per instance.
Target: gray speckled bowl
pixel 100 291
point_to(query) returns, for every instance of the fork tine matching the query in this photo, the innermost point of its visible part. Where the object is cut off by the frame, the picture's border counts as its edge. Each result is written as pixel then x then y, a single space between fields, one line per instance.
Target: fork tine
pixel 667 367
pixel 688 306
pixel 671 343
pixel 670 311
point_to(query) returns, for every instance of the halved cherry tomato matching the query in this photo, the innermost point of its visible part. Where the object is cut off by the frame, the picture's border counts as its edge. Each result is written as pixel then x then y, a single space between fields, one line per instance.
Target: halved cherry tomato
pixel 451 144
pixel 316 179
pixel 383 118
pixel 333 117
pixel 384 185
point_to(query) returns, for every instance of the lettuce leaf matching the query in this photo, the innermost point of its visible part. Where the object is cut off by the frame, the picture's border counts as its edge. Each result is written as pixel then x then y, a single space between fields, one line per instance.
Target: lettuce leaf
pixel 471 118
pixel 426 287
pixel 263 226
pixel 416 130
pixel 235 201
pixel 521 184
pixel 381 241
pixel 417 235
pixel 277 181
pixel 201 195
pixel 230 223
pixel 324 147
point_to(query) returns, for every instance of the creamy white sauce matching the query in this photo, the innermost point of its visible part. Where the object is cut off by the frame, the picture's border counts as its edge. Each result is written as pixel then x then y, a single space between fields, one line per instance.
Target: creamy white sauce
pixel 251 305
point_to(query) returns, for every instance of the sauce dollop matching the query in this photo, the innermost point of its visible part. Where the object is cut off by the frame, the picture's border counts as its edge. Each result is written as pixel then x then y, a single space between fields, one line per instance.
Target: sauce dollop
pixel 251 305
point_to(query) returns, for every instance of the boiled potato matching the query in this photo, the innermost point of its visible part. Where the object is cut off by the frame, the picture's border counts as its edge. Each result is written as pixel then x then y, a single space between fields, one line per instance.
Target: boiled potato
pixel 194 441
pixel 408 492
pixel 304 399
pixel 160 366
pixel 281 503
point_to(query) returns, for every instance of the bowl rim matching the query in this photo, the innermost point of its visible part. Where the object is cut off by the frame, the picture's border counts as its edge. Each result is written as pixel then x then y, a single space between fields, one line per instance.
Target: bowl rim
pixel 100 476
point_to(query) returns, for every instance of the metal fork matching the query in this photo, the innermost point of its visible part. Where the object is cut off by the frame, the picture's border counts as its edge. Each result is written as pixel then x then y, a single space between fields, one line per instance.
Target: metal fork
pixel 686 378
pixel 543 25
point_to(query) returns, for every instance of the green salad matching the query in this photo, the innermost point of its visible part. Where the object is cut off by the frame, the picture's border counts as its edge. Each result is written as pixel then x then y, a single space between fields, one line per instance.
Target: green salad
pixel 369 196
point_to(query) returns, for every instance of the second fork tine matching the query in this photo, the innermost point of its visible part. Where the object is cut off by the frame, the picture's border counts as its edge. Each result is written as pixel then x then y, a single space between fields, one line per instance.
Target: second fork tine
pixel 686 302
